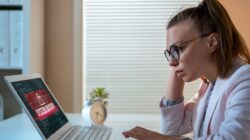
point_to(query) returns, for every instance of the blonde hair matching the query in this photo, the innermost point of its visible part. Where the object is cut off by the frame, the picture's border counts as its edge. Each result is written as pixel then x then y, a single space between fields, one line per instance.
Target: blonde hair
pixel 210 16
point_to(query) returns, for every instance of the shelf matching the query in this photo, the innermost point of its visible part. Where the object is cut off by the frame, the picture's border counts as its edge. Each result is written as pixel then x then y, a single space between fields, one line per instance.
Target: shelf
pixel 10 7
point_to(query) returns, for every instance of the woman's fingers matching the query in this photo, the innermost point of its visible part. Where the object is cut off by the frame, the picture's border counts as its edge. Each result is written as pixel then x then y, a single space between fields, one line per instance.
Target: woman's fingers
pixel 138 133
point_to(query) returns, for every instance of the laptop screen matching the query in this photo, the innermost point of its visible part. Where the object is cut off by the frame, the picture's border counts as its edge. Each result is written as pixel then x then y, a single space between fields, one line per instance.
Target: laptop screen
pixel 41 105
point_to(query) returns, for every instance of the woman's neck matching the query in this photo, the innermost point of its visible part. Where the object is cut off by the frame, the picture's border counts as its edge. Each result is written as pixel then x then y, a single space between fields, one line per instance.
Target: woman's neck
pixel 211 73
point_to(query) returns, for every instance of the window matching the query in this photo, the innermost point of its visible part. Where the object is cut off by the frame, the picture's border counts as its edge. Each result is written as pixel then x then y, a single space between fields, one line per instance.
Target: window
pixel 124 41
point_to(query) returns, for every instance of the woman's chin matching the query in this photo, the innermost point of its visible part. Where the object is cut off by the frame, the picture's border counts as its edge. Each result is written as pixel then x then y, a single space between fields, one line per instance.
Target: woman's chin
pixel 188 78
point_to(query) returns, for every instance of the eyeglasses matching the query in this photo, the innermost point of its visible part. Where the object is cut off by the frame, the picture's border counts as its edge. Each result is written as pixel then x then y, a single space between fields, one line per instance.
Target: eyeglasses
pixel 174 51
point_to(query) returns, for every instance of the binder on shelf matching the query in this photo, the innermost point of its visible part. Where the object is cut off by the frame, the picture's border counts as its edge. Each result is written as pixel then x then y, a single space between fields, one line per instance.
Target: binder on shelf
pixel 15 1
pixel 4 39
pixel 11 1
pixel 4 1
pixel 16 39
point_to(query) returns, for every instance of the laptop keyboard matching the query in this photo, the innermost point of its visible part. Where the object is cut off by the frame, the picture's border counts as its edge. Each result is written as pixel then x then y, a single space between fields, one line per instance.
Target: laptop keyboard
pixel 89 133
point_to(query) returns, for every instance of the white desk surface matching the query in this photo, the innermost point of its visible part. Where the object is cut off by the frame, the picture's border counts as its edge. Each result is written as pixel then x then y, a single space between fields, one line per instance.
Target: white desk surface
pixel 20 127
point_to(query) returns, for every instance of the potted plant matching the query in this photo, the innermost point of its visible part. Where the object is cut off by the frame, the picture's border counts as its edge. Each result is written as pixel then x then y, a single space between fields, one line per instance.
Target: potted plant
pixel 98 93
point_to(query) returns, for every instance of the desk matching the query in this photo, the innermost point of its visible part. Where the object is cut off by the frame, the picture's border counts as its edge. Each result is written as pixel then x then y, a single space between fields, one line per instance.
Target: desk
pixel 20 127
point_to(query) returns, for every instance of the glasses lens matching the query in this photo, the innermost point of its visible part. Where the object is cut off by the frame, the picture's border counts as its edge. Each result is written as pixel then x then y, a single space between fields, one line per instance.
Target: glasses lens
pixel 167 54
pixel 174 52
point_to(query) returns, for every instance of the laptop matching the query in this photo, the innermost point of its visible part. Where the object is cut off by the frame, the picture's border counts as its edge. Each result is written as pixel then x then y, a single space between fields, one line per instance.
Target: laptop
pixel 49 119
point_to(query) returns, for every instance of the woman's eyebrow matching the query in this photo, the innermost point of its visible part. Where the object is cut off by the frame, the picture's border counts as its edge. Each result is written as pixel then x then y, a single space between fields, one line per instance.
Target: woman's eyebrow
pixel 178 42
pixel 174 44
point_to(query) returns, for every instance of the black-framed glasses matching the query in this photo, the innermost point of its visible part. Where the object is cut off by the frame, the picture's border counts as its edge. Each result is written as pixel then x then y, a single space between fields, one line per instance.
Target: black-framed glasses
pixel 174 51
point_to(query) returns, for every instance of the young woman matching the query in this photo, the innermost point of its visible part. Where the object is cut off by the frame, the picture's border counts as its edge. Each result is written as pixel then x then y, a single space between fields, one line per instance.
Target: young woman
pixel 202 42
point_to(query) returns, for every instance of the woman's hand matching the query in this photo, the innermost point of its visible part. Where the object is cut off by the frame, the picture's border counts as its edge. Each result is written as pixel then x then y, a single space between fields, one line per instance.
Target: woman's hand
pixel 175 87
pixel 140 133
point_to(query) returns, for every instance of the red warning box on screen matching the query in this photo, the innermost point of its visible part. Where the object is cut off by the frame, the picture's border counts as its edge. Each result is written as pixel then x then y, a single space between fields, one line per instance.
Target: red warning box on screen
pixel 41 103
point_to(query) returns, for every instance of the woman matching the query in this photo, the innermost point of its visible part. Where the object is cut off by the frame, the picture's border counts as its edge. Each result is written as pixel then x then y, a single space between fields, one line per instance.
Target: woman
pixel 202 42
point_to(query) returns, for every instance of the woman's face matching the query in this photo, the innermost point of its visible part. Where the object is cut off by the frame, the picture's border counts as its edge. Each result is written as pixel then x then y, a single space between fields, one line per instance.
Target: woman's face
pixel 194 55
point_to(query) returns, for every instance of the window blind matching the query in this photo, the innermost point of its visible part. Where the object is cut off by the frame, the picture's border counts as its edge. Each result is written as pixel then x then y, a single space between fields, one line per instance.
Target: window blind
pixel 124 41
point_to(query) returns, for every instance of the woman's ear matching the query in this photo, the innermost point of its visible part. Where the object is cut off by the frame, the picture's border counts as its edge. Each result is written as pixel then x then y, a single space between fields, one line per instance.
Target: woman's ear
pixel 213 42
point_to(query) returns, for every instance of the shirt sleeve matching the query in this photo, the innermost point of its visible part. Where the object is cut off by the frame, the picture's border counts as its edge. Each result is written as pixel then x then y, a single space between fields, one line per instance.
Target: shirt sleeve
pixel 177 117
pixel 167 102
